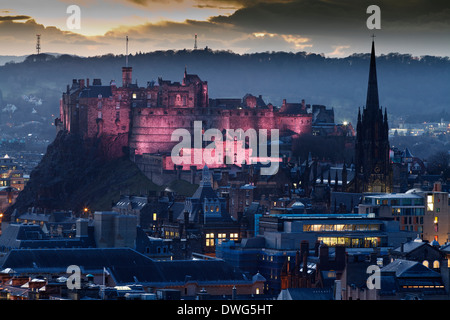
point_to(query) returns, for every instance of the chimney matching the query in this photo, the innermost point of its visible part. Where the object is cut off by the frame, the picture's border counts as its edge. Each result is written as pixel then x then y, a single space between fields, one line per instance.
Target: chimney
pixel 437 187
pixel 337 290
pixel 193 174
pixel 316 248
pixel 304 248
pixel 186 219
pixel 323 256
pixel 82 228
pixel 178 169
pixel 87 82
pixel 126 76
pixel 297 263
pixel 340 257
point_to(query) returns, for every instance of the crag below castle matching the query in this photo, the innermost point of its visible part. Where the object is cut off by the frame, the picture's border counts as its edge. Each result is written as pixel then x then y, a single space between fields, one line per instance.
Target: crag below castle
pixel 74 173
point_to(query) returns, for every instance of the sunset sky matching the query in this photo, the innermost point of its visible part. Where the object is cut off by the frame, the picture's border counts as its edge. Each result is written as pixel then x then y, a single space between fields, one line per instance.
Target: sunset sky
pixel 335 28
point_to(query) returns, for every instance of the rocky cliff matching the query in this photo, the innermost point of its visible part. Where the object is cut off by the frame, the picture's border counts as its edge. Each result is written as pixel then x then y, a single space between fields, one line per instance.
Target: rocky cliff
pixel 75 173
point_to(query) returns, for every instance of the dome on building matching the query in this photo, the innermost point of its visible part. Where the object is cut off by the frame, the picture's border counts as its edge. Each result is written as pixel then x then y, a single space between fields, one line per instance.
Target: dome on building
pixel 435 243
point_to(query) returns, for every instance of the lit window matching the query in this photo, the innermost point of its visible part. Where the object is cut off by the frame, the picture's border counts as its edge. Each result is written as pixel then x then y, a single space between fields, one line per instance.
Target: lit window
pixel 209 239
pixel 430 206
pixel 134 95
pixel 234 236
pixel 425 263
pixel 154 216
pixel 436 264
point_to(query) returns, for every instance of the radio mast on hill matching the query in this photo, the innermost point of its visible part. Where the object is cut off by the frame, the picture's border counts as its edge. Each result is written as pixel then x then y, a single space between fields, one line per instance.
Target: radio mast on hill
pixel 38 43
pixel 195 43
pixel 126 57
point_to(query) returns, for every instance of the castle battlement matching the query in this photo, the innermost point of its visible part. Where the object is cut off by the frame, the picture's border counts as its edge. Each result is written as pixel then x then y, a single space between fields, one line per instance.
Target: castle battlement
pixel 148 115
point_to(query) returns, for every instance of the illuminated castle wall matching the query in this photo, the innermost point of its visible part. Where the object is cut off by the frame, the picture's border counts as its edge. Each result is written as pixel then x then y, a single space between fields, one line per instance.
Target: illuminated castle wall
pixel 144 118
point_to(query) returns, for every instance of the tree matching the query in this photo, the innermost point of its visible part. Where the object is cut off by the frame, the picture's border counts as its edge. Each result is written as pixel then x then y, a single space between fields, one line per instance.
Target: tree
pixel 438 163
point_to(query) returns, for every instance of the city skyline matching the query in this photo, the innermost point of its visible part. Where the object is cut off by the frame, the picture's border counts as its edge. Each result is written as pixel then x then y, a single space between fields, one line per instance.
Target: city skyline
pixel 333 28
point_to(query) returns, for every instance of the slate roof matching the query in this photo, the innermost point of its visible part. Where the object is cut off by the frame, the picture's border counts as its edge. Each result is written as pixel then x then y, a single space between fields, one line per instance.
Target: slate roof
pixel 445 248
pixel 125 265
pixel 409 247
pixel 407 268
pixel 18 236
pixel 204 192
pixel 59 216
pixel 94 91
pixel 136 203
pixel 310 294
pixel 400 273
pixel 90 260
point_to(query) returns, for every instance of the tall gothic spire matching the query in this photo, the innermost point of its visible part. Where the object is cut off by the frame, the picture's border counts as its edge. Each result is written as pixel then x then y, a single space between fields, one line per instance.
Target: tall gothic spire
pixel 372 102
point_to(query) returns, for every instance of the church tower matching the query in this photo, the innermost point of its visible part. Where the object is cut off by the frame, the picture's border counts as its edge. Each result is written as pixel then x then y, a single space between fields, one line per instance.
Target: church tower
pixel 373 167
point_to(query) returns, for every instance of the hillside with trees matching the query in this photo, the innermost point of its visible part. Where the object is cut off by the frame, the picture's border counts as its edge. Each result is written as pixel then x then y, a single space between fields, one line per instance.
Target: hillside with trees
pixel 30 90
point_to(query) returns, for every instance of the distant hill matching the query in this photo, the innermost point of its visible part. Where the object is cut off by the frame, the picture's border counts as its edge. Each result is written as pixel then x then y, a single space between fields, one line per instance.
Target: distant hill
pixel 9 59
pixel 407 85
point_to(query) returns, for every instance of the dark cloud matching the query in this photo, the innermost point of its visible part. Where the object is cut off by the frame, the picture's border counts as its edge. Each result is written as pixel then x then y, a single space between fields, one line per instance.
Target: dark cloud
pixel 149 2
pixel 331 23
pixel 332 27
pixel 236 3
pixel 22 37
pixel 13 18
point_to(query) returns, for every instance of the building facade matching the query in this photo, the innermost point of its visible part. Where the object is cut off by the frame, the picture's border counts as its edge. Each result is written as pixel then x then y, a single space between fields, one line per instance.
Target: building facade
pixel 144 118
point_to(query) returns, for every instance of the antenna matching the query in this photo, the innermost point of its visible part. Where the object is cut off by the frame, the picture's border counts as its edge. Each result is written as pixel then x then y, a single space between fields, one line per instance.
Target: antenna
pixel 195 43
pixel 126 58
pixel 38 43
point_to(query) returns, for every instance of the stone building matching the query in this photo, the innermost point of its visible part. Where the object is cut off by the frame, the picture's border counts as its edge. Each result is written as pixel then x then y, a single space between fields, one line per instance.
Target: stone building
pixel 142 119
pixel 372 163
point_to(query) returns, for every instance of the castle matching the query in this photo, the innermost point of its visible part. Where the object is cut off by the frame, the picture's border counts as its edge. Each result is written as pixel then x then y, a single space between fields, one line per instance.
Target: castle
pixel 142 119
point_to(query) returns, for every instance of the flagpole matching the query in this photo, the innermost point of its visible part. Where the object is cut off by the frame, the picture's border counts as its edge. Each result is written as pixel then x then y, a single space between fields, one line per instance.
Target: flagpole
pixel 103 292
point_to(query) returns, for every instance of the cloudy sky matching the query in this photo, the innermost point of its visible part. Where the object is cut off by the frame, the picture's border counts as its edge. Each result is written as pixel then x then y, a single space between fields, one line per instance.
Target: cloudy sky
pixel 335 28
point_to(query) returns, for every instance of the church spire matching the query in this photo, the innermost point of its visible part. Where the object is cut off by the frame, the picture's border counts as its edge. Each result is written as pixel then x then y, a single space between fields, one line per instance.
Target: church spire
pixel 372 102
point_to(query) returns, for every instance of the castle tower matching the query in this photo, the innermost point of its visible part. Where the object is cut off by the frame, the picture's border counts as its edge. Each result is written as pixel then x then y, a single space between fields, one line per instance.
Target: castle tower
pixel 126 76
pixel 373 168
pixel 126 71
